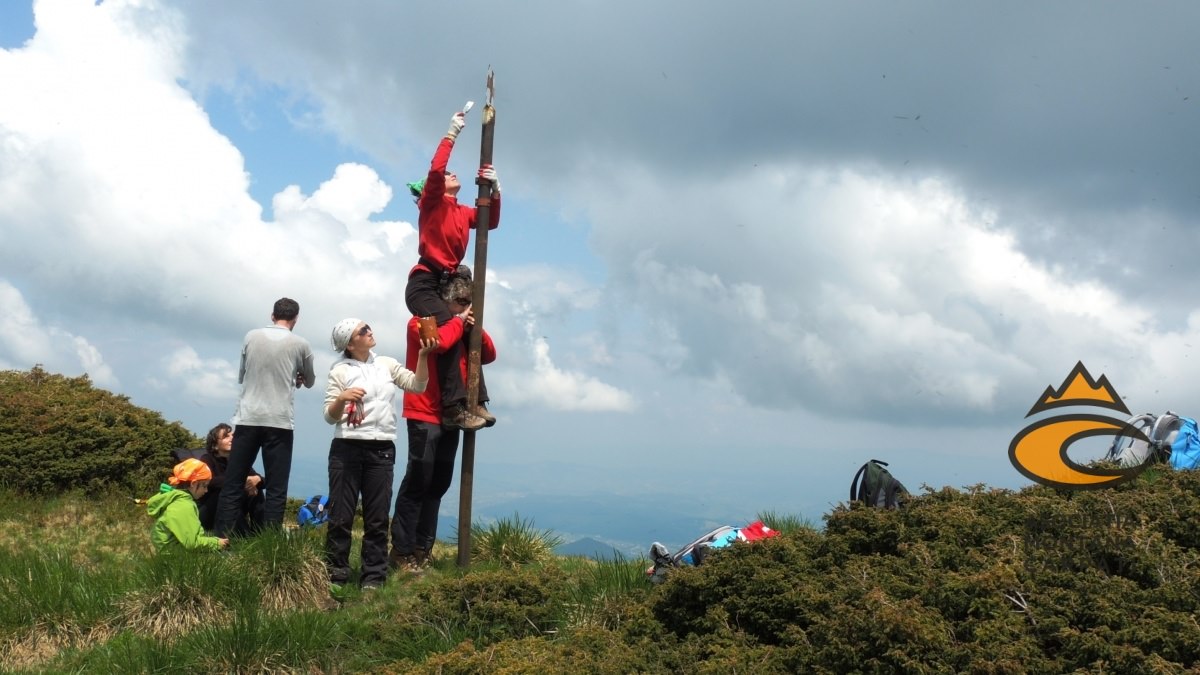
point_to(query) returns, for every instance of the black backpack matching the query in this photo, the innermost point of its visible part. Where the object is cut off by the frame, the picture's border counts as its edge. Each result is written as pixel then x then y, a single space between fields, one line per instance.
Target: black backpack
pixel 180 454
pixel 875 486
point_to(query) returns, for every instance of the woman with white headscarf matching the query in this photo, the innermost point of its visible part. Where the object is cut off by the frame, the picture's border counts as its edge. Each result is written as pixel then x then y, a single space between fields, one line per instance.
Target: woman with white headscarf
pixel 360 402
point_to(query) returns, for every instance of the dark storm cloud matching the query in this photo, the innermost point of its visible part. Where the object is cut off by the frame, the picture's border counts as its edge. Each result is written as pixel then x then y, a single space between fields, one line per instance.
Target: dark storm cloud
pixel 1075 112
pixel 1051 96
pixel 1070 125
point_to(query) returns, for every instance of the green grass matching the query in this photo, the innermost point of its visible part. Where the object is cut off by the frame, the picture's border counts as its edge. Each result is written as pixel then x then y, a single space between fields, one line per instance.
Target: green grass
pixel 84 591
pixel 601 587
pixel 512 542
pixel 785 522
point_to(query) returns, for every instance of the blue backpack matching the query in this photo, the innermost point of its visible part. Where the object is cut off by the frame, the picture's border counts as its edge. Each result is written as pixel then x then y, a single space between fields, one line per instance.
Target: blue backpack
pixel 314 512
pixel 1185 449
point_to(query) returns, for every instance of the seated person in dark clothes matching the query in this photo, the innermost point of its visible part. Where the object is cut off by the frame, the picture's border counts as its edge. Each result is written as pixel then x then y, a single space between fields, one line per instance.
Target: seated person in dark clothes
pixel 216 455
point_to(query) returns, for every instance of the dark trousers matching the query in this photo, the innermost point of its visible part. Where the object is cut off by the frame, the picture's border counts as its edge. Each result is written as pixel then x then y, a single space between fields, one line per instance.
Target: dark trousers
pixel 430 470
pixel 251 520
pixel 423 297
pixel 276 446
pixel 359 468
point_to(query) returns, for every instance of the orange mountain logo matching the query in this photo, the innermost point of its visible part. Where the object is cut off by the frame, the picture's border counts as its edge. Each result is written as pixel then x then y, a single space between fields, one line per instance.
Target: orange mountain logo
pixel 1039 451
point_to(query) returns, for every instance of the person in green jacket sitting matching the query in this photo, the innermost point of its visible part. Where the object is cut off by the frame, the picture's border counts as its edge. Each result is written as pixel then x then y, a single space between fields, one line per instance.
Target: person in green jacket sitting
pixel 178 519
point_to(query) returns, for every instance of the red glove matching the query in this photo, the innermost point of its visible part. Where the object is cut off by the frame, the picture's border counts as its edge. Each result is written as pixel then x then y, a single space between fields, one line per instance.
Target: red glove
pixel 354 414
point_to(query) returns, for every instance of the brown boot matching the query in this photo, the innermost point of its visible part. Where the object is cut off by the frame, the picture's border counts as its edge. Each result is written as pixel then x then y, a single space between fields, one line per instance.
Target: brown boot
pixel 482 413
pixel 458 417
pixel 404 562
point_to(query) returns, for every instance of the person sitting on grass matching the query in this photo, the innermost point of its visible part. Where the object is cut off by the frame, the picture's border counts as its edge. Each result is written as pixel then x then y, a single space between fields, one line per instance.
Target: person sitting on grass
pixel 217 446
pixel 177 525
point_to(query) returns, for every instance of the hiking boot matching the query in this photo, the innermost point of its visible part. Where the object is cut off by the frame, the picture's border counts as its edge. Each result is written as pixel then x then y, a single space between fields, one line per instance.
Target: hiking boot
pixel 459 418
pixel 482 413
pixel 405 562
pixel 423 559
pixel 397 561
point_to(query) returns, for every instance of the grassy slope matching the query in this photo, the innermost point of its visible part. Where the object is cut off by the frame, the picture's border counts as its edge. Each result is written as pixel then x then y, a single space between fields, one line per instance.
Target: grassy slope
pixel 958 581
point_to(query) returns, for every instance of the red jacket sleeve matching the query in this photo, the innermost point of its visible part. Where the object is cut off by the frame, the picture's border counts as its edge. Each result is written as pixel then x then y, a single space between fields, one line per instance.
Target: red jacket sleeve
pixel 448 334
pixel 493 214
pixel 435 182
pixel 487 352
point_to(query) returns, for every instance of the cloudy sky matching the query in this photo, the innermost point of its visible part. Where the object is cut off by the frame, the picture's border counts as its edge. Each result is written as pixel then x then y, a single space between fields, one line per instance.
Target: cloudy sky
pixel 744 248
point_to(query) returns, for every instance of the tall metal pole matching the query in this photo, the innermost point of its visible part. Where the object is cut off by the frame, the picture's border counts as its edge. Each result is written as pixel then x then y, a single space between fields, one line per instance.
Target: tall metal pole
pixel 483 214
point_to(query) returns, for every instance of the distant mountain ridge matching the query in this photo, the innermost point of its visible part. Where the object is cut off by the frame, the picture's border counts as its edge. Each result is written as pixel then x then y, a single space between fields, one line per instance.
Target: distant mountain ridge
pixel 590 548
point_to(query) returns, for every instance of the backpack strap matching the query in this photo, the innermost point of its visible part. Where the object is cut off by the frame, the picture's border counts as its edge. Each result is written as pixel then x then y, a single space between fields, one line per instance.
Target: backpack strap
pixel 1123 441
pixel 1163 426
pixel 856 483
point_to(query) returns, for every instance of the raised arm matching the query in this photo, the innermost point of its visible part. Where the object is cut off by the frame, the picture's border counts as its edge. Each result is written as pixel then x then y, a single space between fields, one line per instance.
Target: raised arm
pixel 408 380
pixel 435 182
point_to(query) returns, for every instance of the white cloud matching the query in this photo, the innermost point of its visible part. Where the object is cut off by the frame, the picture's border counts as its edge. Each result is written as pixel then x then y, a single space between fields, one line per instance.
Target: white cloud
pixel 94 365
pixel 209 379
pixel 25 341
pixel 152 222
pixel 22 339
pixel 523 305
pixel 346 202
pixel 855 292
pixel 550 387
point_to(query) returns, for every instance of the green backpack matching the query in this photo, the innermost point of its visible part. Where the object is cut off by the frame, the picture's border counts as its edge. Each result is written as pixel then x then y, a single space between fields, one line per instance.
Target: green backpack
pixel 875 486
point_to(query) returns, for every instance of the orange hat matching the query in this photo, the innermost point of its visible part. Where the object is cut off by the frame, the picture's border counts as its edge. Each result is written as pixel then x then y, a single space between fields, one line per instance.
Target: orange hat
pixel 190 470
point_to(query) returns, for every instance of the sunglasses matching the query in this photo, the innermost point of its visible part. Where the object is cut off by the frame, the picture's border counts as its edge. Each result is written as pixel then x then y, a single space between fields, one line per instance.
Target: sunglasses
pixel 461 301
pixel 362 332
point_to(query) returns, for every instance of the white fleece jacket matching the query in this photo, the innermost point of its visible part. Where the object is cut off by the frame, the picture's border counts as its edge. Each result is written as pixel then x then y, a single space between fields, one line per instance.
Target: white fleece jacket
pixel 378 376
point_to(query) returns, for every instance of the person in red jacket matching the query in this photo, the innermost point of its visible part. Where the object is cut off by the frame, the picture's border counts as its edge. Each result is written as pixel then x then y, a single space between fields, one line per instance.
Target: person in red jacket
pixel 443 230
pixel 431 447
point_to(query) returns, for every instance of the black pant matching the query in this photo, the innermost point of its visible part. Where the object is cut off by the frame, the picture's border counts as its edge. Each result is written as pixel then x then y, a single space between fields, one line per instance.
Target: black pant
pixel 252 517
pixel 423 297
pixel 276 446
pixel 359 467
pixel 430 471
